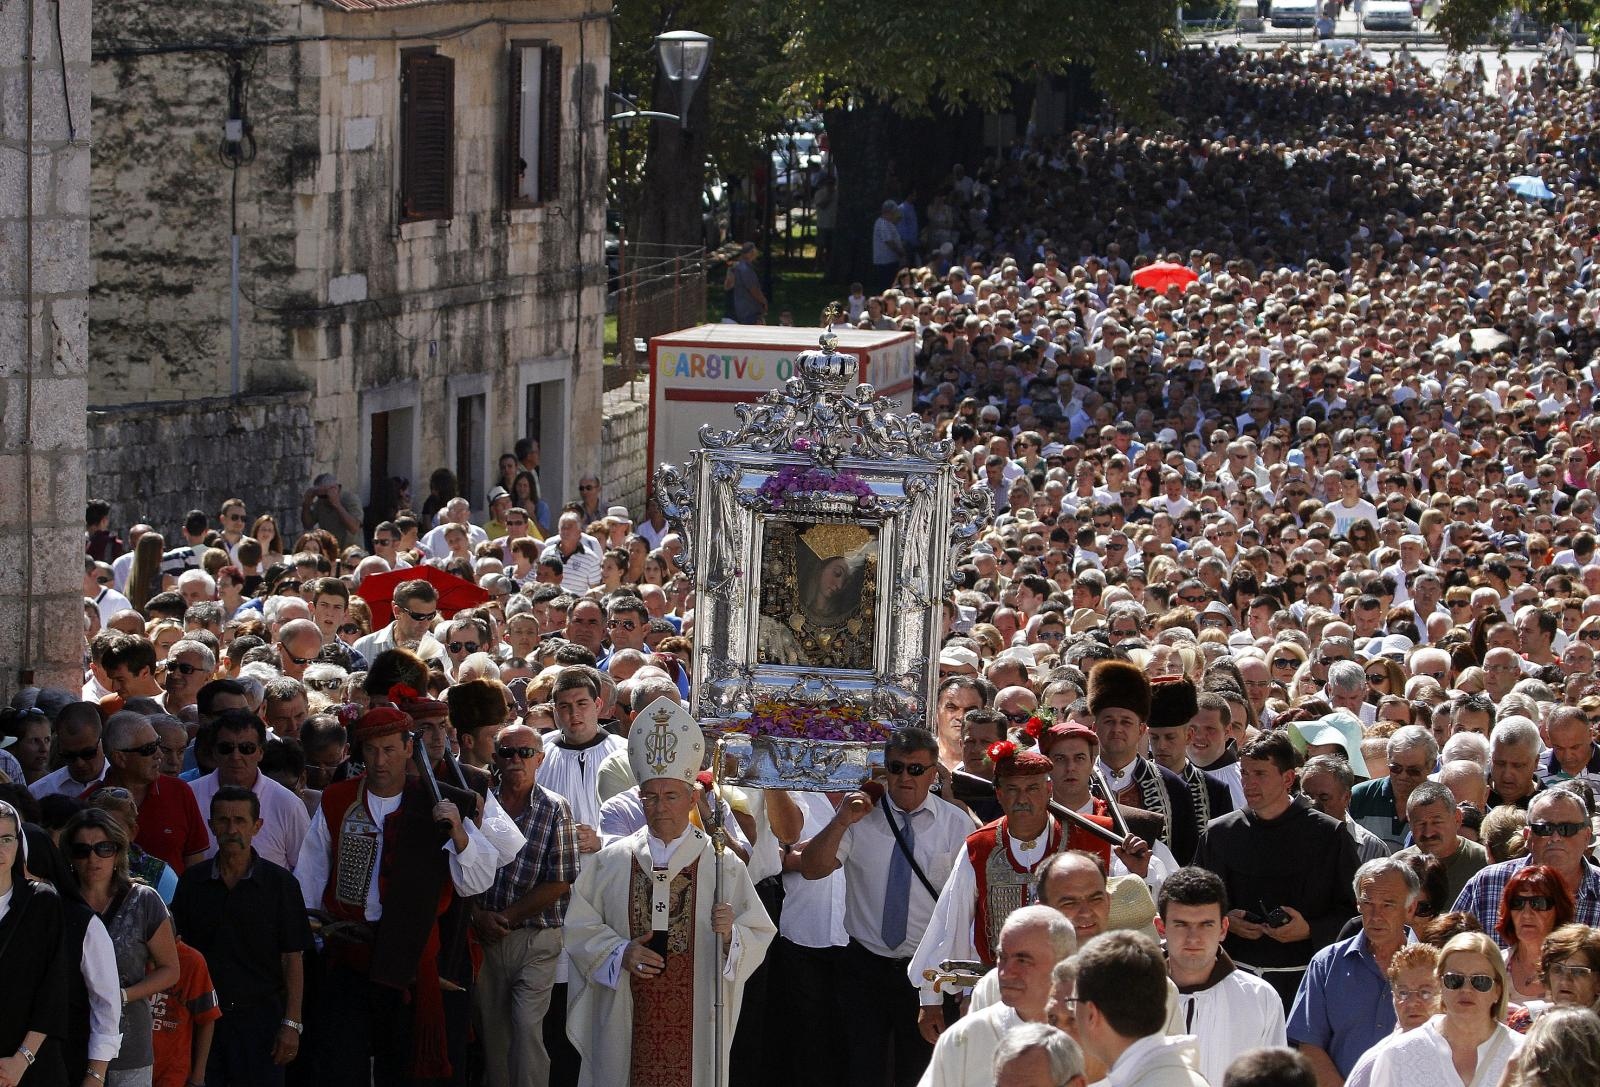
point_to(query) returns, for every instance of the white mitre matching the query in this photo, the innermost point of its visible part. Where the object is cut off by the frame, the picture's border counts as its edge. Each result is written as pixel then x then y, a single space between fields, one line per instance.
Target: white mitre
pixel 665 742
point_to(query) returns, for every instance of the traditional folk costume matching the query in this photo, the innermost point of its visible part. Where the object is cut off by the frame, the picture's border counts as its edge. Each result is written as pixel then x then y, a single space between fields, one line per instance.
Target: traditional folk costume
pixel 994 876
pixel 385 873
pixel 659 1030
pixel 1142 783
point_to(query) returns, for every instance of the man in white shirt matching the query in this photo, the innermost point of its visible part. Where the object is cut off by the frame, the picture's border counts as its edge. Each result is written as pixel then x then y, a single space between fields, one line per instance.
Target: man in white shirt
pixel 457 511
pixel 809 951
pixel 1228 1010
pixel 1121 1014
pixel 890 891
pixel 1032 940
pixel 97 579
pixel 240 739
pixel 1351 507
pixel 84 763
pixel 580 555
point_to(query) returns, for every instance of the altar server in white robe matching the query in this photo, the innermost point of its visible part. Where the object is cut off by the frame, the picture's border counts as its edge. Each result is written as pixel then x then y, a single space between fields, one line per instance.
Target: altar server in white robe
pixel 650 937
pixel 1032 940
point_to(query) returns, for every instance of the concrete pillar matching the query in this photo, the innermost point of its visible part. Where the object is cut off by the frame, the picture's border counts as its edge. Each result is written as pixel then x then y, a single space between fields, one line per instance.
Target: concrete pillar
pixel 44 339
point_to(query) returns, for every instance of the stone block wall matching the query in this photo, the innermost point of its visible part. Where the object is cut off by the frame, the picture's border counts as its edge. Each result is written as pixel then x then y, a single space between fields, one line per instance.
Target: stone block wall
pixel 44 279
pixel 156 462
pixel 624 473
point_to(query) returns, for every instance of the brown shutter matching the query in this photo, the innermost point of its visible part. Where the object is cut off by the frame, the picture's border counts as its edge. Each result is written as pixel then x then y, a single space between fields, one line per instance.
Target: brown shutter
pixel 513 141
pixel 427 136
pixel 550 127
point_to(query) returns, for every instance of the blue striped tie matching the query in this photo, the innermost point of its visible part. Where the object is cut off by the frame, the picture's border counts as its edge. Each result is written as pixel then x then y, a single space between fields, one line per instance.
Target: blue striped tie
pixel 897 891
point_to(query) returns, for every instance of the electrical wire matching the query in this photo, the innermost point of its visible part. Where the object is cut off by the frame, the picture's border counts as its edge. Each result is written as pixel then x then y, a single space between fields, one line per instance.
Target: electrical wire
pixel 66 93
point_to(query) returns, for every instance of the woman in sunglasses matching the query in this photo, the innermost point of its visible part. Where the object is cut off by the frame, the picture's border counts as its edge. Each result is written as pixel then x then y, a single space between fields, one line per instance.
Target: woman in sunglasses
pixel 1469 1043
pixel 1534 904
pixel 136 918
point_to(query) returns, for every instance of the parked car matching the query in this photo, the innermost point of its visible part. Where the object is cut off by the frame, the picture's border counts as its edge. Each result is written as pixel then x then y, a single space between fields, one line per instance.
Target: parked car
pixel 1388 15
pixel 1293 14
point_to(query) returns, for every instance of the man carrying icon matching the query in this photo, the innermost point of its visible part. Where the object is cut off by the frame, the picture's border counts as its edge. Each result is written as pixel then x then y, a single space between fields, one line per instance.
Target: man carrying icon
pixel 663 932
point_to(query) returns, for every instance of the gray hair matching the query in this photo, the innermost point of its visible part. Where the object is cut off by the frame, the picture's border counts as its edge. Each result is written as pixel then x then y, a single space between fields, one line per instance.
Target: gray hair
pixel 1347 676
pixel 322 671
pixel 120 727
pixel 1383 866
pixel 1515 732
pixel 1414 738
pixel 1332 765
pixel 1429 792
pixel 198 577
pixel 1063 937
pixel 208 659
pixel 283 688
pixel 1066 1059
pixel 1517 704
pixel 255 690
pixel 1467 747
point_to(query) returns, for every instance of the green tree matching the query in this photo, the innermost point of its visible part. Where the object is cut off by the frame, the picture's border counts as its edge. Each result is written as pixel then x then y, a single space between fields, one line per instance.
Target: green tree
pixel 1468 22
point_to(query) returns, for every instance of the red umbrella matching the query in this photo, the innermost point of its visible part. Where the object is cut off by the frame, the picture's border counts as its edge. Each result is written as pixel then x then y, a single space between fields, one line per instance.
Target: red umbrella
pixel 454 592
pixel 1163 274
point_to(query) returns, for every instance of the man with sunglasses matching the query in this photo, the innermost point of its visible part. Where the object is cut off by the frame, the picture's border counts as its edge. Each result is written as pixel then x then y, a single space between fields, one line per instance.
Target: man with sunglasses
pixel 239 739
pixel 1559 835
pixel 416 606
pixel 231 520
pixel 170 824
pixel 83 762
pixel 882 845
pixel 519 919
pixel 299 642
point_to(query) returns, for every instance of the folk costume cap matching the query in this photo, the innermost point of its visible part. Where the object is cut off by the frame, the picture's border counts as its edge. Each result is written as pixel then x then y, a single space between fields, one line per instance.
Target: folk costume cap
pixel 665 742
pixel 418 705
pixel 1011 761
pixel 1068 730
pixel 1173 701
pixel 1115 684
pixel 381 721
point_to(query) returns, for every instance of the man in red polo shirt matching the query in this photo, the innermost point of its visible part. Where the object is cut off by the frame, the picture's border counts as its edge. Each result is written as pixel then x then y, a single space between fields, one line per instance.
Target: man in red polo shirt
pixel 170 824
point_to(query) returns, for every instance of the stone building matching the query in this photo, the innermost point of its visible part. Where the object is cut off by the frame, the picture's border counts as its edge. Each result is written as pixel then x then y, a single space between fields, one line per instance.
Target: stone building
pixel 386 214
pixel 44 281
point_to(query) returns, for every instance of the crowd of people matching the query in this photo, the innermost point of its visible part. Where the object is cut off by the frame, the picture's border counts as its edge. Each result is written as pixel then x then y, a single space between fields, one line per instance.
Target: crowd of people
pixel 1262 749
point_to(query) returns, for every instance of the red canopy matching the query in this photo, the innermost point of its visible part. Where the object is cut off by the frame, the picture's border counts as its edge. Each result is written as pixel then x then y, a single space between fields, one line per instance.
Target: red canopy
pixel 454 593
pixel 1163 274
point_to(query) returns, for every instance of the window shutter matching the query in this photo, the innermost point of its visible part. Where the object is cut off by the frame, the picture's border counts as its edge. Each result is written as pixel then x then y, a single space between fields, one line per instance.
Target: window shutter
pixel 513 143
pixel 550 126
pixel 427 137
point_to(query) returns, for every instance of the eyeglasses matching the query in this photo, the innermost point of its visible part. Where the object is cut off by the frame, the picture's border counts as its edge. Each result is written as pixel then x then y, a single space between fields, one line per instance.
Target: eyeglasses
pixel 324 684
pixel 1566 830
pixel 81 851
pixel 1481 982
pixel 1572 973
pixel 144 751
pixel 1376 678
pixel 228 747
pixel 181 667
pixel 1190 598
pixel 420 616
pixel 915 769
pixel 81 755
pixel 1285 662
pixel 102 581
pixel 1539 903
pixel 1399 770
pixel 1590 635
pixel 463 647
pixel 623 624
pixel 1404 996
pixel 349 628
pixel 289 586
pixel 508 753
pixel 383 541
pixel 236 517
pixel 301 661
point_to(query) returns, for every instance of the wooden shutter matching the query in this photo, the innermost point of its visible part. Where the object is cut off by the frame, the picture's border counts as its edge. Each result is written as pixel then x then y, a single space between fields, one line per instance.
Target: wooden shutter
pixel 550 126
pixel 513 142
pixel 427 136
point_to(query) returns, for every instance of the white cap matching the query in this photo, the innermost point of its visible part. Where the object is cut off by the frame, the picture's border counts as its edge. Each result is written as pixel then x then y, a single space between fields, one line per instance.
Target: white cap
pixel 665 742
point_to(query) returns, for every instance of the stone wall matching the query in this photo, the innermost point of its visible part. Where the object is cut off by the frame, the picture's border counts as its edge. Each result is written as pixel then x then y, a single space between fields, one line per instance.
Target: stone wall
pixel 156 462
pixel 624 475
pixel 44 279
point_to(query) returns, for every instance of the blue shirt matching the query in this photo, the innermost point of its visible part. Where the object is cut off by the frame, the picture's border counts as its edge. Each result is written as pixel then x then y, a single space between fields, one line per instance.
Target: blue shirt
pixel 1344 1005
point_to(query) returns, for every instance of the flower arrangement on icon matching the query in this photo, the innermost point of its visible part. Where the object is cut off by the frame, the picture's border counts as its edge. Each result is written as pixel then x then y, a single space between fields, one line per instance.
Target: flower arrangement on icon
pixel 809 721
pixel 800 482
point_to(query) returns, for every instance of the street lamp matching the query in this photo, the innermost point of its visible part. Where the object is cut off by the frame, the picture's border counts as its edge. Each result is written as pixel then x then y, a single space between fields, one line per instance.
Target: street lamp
pixel 684 55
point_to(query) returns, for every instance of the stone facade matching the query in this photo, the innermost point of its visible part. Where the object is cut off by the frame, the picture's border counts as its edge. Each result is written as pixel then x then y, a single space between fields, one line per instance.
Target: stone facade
pixel 256 447
pixel 44 279
pixel 418 344
pixel 624 475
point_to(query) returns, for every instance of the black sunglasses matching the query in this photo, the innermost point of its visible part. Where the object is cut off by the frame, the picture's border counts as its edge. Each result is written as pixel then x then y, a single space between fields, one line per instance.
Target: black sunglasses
pixel 301 661
pixel 181 667
pixel 83 754
pixel 914 769
pixel 463 647
pixel 1566 830
pixel 82 850
pixel 350 628
pixel 523 753
pixel 143 750
pixel 420 616
pixel 228 747
pixel 1481 982
pixel 1530 902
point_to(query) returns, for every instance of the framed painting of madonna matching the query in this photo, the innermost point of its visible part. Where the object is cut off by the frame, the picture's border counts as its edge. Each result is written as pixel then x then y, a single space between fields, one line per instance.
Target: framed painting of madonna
pixel 820 534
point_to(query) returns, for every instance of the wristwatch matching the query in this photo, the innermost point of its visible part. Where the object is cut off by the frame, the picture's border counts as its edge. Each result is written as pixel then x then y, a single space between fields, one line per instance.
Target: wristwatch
pixel 26 1054
pixel 298 1028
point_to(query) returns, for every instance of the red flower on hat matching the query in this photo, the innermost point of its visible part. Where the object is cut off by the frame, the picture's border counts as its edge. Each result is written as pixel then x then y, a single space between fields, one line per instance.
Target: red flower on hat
pixel 1001 749
pixel 349 714
pixel 400 692
pixel 1034 727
